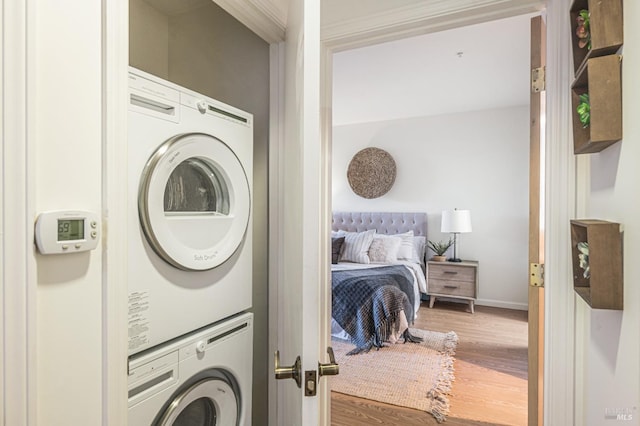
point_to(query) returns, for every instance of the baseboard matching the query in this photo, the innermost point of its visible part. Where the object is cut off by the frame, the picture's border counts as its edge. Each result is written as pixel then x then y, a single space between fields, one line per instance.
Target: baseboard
pixel 503 304
pixel 484 302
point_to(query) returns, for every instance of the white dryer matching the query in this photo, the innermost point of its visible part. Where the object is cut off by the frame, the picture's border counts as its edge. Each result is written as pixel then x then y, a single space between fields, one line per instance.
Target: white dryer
pixel 190 163
pixel 203 378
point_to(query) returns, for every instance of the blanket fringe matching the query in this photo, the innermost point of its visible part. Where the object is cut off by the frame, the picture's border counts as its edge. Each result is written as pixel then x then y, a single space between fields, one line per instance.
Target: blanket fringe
pixel 408 337
pixel 384 330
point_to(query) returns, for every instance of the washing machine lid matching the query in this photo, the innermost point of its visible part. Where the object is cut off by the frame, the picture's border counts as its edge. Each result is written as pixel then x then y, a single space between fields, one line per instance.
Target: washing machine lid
pixel 194 201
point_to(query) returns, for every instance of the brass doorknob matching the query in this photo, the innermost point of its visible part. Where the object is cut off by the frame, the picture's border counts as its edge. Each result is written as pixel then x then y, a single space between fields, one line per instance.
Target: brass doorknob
pixel 294 372
pixel 330 369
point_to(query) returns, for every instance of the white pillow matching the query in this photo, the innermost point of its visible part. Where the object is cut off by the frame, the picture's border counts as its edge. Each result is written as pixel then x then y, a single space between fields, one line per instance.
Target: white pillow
pixel 356 246
pixel 384 249
pixel 406 250
pixel 419 246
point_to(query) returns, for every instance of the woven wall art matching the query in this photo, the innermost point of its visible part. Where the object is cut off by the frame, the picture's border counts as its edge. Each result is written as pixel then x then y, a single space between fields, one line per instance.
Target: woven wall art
pixel 371 172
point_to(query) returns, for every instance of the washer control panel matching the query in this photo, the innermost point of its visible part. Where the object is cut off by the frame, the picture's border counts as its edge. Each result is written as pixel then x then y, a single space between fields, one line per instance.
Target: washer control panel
pixel 67 231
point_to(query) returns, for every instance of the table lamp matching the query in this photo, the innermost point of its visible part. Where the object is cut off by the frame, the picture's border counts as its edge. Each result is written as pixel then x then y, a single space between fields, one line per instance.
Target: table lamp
pixel 456 222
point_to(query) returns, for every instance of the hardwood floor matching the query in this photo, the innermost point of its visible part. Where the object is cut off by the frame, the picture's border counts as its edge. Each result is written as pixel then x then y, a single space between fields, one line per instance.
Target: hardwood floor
pixel 490 368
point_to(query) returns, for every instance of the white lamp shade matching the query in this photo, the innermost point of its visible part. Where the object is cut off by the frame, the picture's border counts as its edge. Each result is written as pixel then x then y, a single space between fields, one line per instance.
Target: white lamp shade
pixel 456 221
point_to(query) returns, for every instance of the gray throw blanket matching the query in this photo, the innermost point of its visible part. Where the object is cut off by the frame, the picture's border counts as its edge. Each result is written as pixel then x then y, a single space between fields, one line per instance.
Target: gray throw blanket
pixel 367 302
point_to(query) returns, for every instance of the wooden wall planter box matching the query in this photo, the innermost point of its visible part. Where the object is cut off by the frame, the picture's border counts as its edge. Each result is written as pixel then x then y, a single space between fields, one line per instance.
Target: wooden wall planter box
pixel 602 78
pixel 606 29
pixel 603 287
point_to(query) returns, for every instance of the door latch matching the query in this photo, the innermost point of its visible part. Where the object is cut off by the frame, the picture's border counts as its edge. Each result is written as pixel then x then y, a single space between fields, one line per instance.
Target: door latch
pixel 292 372
pixel 310 383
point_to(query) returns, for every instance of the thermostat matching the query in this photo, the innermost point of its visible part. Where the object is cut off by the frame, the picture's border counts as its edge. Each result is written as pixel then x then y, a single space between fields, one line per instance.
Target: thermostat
pixel 67 231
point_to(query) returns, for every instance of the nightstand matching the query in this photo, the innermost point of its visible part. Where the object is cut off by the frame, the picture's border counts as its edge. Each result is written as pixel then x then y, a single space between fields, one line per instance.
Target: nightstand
pixel 452 279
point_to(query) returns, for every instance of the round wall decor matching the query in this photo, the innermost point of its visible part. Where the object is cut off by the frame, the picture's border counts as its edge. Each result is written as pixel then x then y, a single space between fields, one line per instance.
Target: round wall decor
pixel 371 172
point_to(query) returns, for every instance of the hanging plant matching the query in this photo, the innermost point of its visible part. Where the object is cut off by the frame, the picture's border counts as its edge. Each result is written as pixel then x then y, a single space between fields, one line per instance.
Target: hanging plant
pixel 584 110
pixel 582 30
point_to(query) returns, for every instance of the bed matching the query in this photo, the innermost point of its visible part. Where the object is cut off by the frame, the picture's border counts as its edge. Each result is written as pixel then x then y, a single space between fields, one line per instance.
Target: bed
pixel 378 261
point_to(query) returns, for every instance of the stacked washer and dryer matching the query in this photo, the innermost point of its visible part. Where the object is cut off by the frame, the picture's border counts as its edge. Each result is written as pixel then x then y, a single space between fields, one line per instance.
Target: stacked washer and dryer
pixel 190 162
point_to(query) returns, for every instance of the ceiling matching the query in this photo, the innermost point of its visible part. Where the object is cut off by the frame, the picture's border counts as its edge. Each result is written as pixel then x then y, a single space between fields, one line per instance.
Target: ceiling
pixel 477 67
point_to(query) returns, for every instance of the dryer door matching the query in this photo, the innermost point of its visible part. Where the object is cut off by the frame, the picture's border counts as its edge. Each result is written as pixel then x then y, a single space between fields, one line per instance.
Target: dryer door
pixel 194 202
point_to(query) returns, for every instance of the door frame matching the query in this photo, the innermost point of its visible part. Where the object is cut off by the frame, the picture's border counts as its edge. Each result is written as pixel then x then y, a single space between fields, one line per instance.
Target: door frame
pixel 17 264
pixel 561 203
pixel 560 188
pixel 560 199
pixel 535 349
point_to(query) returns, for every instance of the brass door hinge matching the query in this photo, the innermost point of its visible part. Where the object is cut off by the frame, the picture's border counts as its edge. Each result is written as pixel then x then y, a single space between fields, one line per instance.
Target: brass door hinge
pixel 536 274
pixel 538 80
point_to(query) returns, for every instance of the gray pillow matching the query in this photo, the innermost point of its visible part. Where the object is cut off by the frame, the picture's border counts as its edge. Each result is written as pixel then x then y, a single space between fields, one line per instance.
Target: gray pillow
pixel 336 247
pixel 356 246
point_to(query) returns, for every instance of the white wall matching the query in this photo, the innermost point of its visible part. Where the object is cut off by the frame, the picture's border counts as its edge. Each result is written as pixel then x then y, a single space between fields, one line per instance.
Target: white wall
pixel 67 113
pixel 476 161
pixel 609 347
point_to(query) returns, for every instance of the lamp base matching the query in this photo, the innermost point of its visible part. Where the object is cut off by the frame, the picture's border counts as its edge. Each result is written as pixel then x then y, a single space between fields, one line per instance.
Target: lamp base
pixel 454 260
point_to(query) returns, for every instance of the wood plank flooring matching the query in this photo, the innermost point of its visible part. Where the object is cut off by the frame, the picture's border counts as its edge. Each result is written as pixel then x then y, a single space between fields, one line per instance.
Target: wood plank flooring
pixel 491 372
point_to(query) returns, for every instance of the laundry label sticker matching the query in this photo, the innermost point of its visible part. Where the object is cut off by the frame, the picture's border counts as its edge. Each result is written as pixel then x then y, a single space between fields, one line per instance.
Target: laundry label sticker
pixel 138 319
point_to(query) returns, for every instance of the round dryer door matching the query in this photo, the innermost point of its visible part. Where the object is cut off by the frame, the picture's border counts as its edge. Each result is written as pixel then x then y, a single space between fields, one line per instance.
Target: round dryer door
pixel 194 202
pixel 210 402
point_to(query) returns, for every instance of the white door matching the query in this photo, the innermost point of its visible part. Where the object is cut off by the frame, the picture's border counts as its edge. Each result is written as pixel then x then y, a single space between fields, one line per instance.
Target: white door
pixel 299 204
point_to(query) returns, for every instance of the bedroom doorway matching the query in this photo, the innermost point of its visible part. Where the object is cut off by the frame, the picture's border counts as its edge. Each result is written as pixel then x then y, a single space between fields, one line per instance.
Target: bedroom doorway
pixel 535 294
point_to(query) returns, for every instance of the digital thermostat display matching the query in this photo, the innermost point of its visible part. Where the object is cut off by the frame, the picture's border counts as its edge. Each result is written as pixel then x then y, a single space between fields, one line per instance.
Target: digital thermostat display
pixel 70 229
pixel 67 231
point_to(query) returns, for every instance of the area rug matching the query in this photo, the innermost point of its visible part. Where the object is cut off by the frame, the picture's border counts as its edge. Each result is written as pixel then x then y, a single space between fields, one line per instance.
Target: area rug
pixel 414 375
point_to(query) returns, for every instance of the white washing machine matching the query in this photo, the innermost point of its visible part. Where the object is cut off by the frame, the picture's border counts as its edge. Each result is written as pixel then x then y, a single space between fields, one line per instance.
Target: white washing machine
pixel 190 173
pixel 203 378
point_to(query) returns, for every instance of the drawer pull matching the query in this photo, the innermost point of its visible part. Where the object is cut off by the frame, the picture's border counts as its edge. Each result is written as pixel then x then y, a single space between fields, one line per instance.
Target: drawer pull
pixel 451 286
pixel 451 272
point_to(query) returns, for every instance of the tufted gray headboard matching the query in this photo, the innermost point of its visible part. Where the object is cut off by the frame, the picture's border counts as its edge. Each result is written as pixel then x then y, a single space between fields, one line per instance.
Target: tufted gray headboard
pixel 382 222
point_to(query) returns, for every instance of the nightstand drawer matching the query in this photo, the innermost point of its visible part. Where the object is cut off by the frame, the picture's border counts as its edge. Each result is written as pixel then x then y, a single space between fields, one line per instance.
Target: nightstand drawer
pixel 457 273
pixel 452 287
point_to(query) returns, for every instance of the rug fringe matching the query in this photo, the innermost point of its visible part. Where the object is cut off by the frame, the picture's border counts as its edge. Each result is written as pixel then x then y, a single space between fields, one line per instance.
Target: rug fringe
pixel 450 343
pixel 439 394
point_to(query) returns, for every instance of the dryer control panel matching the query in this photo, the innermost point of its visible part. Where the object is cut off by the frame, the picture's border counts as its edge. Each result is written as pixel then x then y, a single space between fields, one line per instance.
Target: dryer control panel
pixel 67 231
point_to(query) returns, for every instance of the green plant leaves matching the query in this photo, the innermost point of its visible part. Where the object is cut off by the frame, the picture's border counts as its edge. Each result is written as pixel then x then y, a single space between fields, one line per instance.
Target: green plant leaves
pixel 584 110
pixel 582 29
pixel 440 247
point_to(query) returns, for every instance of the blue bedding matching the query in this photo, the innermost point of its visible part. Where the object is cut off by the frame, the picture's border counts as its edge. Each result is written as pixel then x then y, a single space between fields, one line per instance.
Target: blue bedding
pixel 366 303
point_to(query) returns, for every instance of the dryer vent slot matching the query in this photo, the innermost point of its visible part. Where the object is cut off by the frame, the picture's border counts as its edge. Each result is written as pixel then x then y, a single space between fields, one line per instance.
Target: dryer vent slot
pixel 227 114
pixel 152 105
pixel 151 383
pixel 226 333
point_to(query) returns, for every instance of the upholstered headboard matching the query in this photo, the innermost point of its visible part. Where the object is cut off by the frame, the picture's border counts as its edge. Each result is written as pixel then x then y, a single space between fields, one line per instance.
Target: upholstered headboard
pixel 382 222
